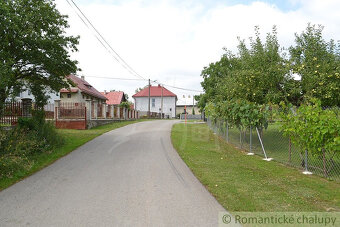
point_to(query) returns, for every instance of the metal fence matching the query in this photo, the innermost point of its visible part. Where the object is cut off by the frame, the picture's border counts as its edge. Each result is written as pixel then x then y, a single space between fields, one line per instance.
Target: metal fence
pixel 70 110
pixel 10 112
pixel 270 143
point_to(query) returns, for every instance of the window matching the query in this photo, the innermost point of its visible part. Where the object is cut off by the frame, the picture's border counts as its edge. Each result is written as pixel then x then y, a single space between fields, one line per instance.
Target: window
pixel 170 109
pixel 69 96
pixel 153 102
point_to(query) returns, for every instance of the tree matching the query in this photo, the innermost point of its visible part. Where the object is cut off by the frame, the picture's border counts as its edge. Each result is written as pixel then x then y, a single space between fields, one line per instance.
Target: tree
pixel 139 89
pixel 318 64
pixel 34 49
pixel 126 96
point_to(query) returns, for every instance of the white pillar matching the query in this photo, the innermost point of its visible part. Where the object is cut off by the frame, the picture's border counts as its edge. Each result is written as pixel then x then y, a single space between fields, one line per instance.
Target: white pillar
pixel 88 109
pixel 104 110
pixel 95 106
pixel 118 112
pixel 56 108
pixel 112 112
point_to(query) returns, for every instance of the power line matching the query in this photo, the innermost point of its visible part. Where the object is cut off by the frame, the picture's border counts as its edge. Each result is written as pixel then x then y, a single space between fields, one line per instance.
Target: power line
pixel 115 78
pixel 180 88
pixel 115 55
pixel 118 58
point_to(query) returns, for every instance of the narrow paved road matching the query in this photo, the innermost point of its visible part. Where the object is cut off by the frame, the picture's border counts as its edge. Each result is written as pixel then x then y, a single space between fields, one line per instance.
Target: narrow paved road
pixel 131 176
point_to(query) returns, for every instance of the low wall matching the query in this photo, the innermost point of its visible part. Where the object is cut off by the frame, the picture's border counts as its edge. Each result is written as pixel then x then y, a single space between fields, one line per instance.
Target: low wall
pixel 70 124
pixel 97 122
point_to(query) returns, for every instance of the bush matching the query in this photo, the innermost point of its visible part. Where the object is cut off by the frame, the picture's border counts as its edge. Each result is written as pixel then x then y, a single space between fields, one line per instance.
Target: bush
pixel 312 128
pixel 20 146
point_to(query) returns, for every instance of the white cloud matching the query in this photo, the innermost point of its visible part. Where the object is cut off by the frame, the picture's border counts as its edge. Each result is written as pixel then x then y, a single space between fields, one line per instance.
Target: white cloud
pixel 172 42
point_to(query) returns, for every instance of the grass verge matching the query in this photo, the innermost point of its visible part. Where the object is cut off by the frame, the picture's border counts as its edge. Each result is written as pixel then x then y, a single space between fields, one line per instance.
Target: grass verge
pixel 247 183
pixel 73 139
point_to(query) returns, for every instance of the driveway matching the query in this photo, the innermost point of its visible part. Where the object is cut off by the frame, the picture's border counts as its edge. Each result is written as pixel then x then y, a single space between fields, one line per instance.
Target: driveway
pixel 131 176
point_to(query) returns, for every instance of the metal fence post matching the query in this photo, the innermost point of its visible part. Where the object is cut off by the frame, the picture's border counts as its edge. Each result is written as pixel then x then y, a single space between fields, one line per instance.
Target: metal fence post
pixel 306 164
pixel 250 141
pixel 227 132
pixel 264 152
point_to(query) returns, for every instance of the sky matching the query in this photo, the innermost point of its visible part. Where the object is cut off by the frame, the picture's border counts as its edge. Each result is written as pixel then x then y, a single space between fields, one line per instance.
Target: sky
pixel 171 41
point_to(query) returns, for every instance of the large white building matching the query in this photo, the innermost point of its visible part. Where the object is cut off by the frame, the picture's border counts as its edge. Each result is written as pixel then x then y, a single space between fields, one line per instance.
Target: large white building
pixel 157 94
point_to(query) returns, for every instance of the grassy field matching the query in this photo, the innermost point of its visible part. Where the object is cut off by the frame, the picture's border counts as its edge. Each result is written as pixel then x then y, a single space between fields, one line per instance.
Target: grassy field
pixel 277 146
pixel 73 139
pixel 247 183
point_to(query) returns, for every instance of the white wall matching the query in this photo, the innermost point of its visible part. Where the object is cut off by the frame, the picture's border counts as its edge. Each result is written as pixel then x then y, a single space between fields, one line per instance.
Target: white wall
pixel 27 94
pixel 169 105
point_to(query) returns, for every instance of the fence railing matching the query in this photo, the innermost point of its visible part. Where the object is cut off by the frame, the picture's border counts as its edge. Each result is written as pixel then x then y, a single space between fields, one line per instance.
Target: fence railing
pixel 278 147
pixel 10 112
pixel 70 110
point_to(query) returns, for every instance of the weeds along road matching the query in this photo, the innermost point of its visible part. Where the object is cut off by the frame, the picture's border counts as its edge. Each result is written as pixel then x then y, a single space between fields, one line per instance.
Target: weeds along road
pixel 131 176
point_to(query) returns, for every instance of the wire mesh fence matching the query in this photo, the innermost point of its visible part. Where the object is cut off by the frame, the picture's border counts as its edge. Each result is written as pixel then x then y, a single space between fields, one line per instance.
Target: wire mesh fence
pixel 279 148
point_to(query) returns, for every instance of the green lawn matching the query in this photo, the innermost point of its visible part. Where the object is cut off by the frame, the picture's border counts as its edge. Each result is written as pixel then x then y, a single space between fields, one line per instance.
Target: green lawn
pixel 247 183
pixel 277 146
pixel 73 139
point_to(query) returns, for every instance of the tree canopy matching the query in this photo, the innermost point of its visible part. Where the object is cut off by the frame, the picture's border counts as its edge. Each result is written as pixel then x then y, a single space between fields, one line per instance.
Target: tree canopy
pixel 34 49
pixel 265 73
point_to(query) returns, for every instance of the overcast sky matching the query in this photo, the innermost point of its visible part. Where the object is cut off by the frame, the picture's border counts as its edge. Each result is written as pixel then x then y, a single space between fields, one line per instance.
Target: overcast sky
pixel 172 40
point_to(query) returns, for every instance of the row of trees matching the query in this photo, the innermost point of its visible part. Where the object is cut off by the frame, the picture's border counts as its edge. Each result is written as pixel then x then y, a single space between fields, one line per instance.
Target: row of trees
pixel 267 73
pixel 245 87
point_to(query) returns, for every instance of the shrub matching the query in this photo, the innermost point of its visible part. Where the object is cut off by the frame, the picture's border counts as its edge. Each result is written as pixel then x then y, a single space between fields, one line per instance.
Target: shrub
pixel 19 147
pixel 312 128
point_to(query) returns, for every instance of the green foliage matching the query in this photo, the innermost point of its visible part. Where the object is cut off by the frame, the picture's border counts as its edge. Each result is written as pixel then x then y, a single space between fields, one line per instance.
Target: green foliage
pixel 126 105
pixel 31 137
pixel 34 49
pixel 240 113
pixel 312 128
pixel 318 64
pixel 256 74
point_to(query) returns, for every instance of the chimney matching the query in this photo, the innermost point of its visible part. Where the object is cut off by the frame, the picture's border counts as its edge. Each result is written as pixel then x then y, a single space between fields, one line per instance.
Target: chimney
pixel 105 92
pixel 159 85
pixel 82 77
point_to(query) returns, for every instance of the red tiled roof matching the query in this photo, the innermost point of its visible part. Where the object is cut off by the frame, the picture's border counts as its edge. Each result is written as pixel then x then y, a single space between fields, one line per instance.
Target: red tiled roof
pixel 85 87
pixel 114 97
pixel 155 91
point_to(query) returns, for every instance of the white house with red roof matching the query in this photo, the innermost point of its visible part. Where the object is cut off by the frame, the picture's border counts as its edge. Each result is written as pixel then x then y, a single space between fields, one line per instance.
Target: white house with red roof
pixel 114 97
pixel 157 94
pixel 82 92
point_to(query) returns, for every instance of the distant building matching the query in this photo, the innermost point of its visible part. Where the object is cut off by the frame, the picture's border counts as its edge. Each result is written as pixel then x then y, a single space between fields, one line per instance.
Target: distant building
pixel 114 97
pixel 82 92
pixel 180 109
pixel 156 93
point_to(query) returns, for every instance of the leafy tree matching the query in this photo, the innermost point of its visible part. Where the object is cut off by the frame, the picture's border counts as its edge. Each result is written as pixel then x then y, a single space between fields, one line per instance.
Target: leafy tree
pixel 318 64
pixel 34 48
pixel 126 105
pixel 139 89
pixel 312 128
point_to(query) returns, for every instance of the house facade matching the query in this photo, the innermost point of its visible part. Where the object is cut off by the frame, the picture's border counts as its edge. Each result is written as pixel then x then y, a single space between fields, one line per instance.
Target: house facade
pixel 81 92
pixel 26 93
pixel 158 94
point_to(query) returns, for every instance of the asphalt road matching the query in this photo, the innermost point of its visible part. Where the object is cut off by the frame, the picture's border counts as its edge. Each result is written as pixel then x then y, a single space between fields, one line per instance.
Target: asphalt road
pixel 131 176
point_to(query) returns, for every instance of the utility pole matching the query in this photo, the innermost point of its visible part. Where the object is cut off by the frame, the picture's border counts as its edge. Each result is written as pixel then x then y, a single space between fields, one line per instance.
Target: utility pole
pixel 149 100
pixel 162 104
pixel 193 104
